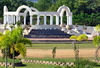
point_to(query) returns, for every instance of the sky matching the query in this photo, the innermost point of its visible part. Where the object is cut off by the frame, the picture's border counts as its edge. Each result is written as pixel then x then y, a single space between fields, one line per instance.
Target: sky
pixel 33 0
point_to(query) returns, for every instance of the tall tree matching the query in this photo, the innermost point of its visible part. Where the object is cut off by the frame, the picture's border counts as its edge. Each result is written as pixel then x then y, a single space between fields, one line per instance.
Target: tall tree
pixel 93 4
pixel 14 42
pixel 43 5
pixel 96 42
pixel 72 4
pixel 11 4
pixel 30 3
pixel 15 4
pixel 76 39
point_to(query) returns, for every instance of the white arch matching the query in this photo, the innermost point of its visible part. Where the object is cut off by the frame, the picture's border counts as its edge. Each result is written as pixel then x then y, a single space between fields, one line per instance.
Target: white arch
pixel 26 11
pixel 26 7
pixel 63 7
pixel 67 13
pixel 34 9
pixel 5 9
pixel 15 16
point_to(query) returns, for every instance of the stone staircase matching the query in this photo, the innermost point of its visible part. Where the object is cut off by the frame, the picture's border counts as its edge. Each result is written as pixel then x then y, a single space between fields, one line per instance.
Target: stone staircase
pixel 47 34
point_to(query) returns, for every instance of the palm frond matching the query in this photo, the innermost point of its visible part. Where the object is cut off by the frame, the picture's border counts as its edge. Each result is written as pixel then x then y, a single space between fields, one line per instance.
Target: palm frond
pixel 96 41
pixel 82 37
pixel 20 48
pixel 24 41
pixel 7 32
pixel 73 37
pixel 1 34
pixel 5 41
pixel 16 33
pixel 97 28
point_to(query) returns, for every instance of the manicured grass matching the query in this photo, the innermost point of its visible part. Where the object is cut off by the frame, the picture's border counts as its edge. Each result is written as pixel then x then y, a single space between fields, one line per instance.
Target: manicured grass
pixel 9 60
pixel 33 65
pixel 60 46
pixel 30 65
pixel 53 59
pixel 51 46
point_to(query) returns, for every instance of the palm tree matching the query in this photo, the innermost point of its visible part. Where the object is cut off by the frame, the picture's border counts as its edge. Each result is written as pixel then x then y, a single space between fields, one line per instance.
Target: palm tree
pixel 17 42
pixel 75 40
pixel 97 28
pixel 96 42
pixel 4 42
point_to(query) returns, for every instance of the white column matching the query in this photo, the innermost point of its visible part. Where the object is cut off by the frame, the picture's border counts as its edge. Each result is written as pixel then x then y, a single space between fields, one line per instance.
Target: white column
pixel 61 21
pixel 30 20
pixel 44 19
pixel 14 19
pixel 10 19
pixel 5 19
pixel 67 20
pixel 51 20
pixel 70 20
pixel 18 18
pixel 24 20
pixel 38 20
pixel 57 20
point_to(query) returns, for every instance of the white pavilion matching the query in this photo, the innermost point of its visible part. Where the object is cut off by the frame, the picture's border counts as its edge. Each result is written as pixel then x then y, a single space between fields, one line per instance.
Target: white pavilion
pixel 14 16
pixel 11 17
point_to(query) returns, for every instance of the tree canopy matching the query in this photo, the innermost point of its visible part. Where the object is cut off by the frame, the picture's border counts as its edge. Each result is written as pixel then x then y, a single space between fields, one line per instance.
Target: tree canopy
pixel 84 11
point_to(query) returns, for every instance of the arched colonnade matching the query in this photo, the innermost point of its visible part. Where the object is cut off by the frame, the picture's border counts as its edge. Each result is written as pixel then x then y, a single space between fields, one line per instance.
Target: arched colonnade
pixel 12 17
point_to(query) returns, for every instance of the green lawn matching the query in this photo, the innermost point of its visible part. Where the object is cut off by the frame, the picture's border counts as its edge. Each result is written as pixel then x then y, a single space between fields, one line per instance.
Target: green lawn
pixel 53 59
pixel 33 65
pixel 60 46
pixel 29 65
pixel 51 46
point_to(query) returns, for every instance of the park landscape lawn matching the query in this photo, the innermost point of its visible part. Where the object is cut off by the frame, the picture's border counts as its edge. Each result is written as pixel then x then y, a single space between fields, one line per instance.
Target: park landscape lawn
pixel 29 65
pixel 51 46
pixel 60 46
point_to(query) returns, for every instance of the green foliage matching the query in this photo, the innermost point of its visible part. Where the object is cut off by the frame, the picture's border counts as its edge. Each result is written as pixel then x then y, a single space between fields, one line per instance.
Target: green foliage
pixel 30 4
pixel 96 41
pixel 80 37
pixel 18 23
pixel 54 52
pixel 15 41
pixel 57 67
pixel 20 47
pixel 80 66
pixel 43 3
pixel 97 28
pixel 25 41
pixel 86 19
pixel 83 63
pixel 10 60
pixel 76 47
pixel 73 37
